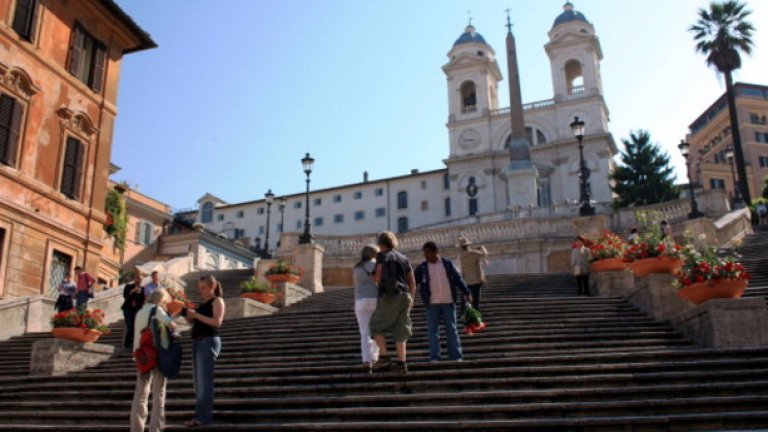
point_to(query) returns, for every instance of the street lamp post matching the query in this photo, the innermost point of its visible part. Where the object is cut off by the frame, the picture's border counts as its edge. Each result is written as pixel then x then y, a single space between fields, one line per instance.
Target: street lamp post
pixel 684 149
pixel 586 208
pixel 737 202
pixel 269 197
pixel 306 237
pixel 281 206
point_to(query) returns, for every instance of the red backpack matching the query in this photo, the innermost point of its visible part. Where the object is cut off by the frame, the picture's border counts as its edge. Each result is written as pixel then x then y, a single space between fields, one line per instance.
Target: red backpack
pixel 146 354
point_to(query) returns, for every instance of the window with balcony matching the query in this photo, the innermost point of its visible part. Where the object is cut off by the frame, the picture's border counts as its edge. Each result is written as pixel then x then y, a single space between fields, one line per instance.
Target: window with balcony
pixel 87 59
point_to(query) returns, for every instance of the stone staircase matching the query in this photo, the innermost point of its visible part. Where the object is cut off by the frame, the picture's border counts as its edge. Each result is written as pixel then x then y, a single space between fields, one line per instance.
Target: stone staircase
pixel 230 281
pixel 755 257
pixel 548 361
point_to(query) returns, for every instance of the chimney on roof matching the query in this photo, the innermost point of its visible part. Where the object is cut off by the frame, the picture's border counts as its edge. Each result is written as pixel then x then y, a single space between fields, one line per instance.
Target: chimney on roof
pixel 365 176
pixel 414 171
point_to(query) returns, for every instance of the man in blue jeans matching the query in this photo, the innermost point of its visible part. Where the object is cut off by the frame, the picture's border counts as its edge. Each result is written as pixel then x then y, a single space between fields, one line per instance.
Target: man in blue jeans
pixel 439 283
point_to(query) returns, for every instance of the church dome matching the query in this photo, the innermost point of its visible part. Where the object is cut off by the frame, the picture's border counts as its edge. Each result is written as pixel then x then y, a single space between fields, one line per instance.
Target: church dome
pixel 469 36
pixel 569 14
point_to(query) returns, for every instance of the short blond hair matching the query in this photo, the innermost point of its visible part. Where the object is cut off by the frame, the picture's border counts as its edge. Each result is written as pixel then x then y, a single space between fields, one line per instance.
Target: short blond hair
pixel 388 239
pixel 159 296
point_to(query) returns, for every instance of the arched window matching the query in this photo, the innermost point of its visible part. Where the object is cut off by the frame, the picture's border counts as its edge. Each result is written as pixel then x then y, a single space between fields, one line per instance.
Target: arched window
pixel 207 214
pixel 574 77
pixel 402 200
pixel 402 224
pixel 468 97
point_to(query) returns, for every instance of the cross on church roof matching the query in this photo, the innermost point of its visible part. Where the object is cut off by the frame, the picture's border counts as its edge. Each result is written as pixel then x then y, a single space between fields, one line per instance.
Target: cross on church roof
pixel 509 22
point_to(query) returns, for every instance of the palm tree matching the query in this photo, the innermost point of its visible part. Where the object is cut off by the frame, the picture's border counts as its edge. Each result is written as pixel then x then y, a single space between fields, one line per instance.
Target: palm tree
pixel 721 33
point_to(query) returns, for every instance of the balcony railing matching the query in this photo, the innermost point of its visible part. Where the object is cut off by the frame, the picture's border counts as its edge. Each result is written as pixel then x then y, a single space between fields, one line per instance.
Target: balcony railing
pixel 468 109
pixel 577 90
pixel 529 106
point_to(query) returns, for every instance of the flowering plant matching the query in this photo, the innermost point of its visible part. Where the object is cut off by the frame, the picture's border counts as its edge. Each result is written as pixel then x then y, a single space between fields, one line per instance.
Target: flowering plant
pixel 84 318
pixel 178 294
pixel 709 266
pixel 282 268
pixel 473 320
pixel 652 243
pixel 256 285
pixel 608 245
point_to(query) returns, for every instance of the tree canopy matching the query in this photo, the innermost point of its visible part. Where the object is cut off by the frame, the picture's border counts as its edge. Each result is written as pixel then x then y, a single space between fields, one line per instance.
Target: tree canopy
pixel 645 175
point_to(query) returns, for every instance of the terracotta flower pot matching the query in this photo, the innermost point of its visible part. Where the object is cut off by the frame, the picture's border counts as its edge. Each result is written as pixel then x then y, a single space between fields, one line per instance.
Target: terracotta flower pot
pixel 266 298
pixel 644 267
pixel 608 264
pixel 698 293
pixel 289 278
pixel 76 334
pixel 174 307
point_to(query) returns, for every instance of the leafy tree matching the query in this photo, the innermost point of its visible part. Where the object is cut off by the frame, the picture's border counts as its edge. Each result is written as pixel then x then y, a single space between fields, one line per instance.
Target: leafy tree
pixel 721 33
pixel 645 176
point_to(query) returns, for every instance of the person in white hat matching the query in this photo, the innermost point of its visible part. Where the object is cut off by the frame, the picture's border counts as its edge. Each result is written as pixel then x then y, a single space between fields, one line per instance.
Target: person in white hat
pixel 472 260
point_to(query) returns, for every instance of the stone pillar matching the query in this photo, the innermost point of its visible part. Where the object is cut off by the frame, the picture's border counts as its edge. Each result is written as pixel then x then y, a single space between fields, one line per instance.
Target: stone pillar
pixel 656 294
pixel 726 323
pixel 56 357
pixel 611 283
pixel 243 308
pixel 521 186
pixel 309 258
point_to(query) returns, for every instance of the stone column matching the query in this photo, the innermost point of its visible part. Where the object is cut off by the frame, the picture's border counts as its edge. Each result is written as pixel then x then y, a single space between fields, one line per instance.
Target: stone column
pixel 309 257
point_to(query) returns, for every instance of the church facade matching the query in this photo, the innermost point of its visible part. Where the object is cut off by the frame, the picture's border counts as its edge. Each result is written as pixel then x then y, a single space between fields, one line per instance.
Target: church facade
pixel 501 159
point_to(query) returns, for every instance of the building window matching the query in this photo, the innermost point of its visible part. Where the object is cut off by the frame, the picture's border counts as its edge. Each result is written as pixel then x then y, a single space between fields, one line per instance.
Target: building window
pixel 359 215
pixel 261 229
pixel 715 183
pixel 402 200
pixel 337 198
pixel 24 18
pixel 446 181
pixel 472 206
pixel 72 168
pixel 240 214
pixel 299 224
pixel 763 161
pixel 423 184
pixel 448 206
pixel 260 210
pixel 402 224
pixel 319 221
pixel 317 202
pixel 761 137
pixel 87 59
pixel 207 216
pixel 11 112
pixel 220 217
pixel 238 233
pixel 424 205
pixel 61 266
pixel 358 195
pixel 297 205
pixel 144 232
pixel 339 218
pixel 378 192
pixel 280 227
pixel 468 97
pixel 756 118
pixel 381 212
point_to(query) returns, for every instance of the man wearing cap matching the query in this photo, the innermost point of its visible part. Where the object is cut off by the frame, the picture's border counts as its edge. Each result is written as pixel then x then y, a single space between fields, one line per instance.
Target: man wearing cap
pixel 471 261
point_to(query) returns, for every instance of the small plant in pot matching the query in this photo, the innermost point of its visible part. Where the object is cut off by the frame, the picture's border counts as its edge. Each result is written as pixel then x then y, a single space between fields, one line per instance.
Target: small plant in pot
pixel 283 272
pixel 654 253
pixel 259 290
pixel 607 253
pixel 79 324
pixel 709 275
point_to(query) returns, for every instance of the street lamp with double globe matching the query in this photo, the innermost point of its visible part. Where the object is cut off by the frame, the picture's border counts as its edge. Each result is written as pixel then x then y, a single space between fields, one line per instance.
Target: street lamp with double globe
pixel 586 208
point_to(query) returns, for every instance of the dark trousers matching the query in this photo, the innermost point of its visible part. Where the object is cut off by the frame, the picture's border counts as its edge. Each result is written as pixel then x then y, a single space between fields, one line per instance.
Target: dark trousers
pixel 582 284
pixel 129 317
pixel 475 291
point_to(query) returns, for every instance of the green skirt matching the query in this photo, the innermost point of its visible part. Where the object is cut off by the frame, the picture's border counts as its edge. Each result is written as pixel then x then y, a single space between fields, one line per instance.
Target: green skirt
pixel 392 316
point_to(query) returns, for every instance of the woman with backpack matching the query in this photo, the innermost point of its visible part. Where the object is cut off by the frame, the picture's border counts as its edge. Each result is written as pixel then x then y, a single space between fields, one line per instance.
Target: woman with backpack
pixel 206 321
pixel 153 309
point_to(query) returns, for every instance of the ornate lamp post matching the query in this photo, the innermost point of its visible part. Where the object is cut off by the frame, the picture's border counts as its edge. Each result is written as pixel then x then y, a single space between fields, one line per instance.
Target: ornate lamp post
pixel 281 203
pixel 684 149
pixel 586 208
pixel 737 202
pixel 269 197
pixel 307 238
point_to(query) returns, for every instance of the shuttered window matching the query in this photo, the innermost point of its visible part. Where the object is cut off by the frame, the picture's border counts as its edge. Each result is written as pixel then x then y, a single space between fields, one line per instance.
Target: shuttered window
pixel 24 18
pixel 87 59
pixel 72 169
pixel 10 128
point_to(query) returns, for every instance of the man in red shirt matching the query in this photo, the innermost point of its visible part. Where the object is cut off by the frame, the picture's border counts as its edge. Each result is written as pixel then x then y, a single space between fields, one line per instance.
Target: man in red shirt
pixel 85 284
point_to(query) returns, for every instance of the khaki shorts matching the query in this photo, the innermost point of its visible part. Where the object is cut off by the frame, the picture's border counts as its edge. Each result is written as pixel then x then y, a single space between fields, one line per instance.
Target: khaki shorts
pixel 392 317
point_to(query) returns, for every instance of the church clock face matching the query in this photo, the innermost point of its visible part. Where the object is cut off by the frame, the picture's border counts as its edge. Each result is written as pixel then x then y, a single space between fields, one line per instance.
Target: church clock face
pixel 469 139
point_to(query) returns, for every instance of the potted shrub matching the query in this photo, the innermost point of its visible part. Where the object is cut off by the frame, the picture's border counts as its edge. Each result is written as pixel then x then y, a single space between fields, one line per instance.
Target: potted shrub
pixel 283 272
pixel 259 290
pixel 607 253
pixel 653 253
pixel 178 302
pixel 708 275
pixel 79 325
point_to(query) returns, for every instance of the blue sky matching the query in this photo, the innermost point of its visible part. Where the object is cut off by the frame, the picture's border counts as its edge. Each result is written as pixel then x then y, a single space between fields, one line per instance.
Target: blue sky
pixel 239 90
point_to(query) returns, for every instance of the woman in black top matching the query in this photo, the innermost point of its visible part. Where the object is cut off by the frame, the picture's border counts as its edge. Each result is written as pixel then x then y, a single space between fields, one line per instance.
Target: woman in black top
pixel 206 346
pixel 133 300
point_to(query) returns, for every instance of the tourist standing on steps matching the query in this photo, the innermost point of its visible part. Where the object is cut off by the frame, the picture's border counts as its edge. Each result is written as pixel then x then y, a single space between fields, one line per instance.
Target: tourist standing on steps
pixel 153 285
pixel 440 283
pixel 67 290
pixel 206 346
pixel 471 261
pixel 392 316
pixel 366 293
pixel 133 300
pixel 152 379
pixel 85 284
pixel 580 266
